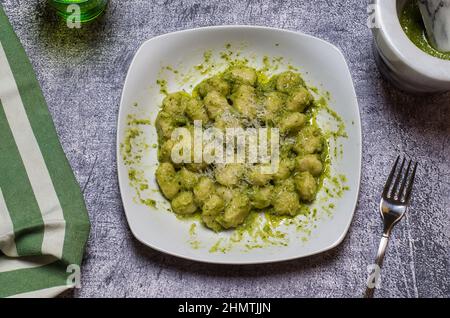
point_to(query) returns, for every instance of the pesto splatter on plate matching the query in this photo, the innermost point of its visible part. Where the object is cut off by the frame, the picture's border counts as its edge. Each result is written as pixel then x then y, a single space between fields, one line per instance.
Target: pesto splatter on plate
pixel 226 194
pixel 266 205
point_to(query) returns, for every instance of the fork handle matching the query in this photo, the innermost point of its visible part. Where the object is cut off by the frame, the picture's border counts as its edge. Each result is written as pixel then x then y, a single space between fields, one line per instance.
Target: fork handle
pixel 378 261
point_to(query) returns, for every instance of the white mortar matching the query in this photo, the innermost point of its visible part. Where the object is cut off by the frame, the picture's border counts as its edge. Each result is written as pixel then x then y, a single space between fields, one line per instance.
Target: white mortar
pixel 400 60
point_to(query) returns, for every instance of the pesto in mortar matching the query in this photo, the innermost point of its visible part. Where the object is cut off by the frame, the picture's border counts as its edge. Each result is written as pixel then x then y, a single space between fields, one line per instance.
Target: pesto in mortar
pixel 412 23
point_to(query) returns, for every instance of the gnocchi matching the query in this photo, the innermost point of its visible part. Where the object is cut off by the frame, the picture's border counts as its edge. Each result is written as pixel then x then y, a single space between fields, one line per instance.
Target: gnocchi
pixel 184 203
pixel 225 194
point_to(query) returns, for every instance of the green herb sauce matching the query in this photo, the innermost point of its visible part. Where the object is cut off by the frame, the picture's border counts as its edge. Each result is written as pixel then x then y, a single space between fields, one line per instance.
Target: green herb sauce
pixel 259 229
pixel 412 23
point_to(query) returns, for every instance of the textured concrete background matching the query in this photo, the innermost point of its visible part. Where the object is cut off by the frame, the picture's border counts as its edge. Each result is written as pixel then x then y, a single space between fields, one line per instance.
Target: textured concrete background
pixel 82 73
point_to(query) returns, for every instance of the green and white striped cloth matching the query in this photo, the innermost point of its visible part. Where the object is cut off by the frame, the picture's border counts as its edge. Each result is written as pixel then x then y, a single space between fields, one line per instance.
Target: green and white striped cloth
pixel 43 220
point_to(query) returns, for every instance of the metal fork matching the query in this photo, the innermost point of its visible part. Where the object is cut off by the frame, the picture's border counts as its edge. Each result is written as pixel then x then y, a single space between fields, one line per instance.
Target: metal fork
pixel 394 202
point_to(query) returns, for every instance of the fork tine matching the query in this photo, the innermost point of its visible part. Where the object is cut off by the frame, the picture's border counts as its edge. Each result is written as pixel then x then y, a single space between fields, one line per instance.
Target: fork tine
pixel 397 179
pixel 389 180
pixel 410 184
pixel 405 179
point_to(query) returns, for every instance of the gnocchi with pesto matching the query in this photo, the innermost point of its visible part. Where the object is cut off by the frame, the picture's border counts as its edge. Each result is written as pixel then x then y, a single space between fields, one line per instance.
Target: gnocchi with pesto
pixel 225 194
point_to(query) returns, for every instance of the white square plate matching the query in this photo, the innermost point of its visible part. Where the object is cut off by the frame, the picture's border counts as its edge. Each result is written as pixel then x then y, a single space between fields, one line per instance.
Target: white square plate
pixel 321 64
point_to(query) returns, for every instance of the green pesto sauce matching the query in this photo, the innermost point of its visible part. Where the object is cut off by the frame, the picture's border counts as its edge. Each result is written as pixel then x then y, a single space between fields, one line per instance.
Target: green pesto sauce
pixel 170 68
pixel 260 229
pixel 163 86
pixel 193 240
pixel 132 150
pixel 192 229
pixel 218 248
pixel 412 23
pixel 263 229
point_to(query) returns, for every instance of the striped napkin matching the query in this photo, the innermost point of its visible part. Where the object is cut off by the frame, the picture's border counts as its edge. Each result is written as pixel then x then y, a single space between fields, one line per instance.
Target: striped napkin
pixel 43 220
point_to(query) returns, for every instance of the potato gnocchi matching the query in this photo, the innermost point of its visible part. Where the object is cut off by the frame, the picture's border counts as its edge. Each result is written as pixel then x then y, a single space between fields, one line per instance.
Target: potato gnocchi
pixel 225 194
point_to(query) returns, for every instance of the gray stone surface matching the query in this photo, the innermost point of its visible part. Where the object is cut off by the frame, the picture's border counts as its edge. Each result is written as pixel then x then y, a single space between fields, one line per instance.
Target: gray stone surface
pixel 82 73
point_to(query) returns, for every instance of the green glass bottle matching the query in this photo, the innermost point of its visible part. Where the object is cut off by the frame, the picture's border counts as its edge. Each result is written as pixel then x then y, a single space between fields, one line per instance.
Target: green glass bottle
pixel 84 10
